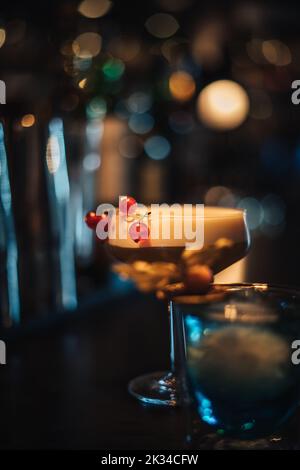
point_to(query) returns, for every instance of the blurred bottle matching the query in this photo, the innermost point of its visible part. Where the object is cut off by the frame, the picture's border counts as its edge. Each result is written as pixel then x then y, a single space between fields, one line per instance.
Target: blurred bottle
pixel 9 285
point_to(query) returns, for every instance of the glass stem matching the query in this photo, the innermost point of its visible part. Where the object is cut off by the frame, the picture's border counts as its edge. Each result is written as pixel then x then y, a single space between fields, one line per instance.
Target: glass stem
pixel 177 342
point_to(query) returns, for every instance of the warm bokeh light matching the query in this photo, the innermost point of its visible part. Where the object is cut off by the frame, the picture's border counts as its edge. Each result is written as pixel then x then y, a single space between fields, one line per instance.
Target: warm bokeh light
pixel 223 104
pixel 82 83
pixel 2 36
pixel 28 120
pixel 207 44
pixel 276 52
pixel 182 86
pixel 124 48
pixel 162 25
pixel 94 8
pixel 220 196
pixel 87 45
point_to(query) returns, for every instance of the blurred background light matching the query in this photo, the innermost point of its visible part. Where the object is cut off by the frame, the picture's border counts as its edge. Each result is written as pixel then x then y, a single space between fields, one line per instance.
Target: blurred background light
pixel 82 83
pixel 255 212
pixel 82 64
pixel 125 48
pixel 96 108
pixel 181 122
pixel 276 52
pixel 139 102
pixel 223 104
pixel 162 25
pixel 254 50
pixel 113 69
pixel 141 123
pixel 94 8
pixel 2 36
pixel 220 196
pixel 157 147
pixel 274 209
pixel 28 120
pixel 91 162
pixel 182 86
pixel 53 154
pixel 87 45
pixel 207 44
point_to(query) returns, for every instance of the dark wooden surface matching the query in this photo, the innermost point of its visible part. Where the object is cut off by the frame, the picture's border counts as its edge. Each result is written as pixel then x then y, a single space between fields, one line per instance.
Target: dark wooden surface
pixel 65 386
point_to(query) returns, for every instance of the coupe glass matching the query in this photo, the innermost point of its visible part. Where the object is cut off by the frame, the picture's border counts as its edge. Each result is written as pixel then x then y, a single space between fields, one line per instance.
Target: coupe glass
pixel 163 261
pixel 241 363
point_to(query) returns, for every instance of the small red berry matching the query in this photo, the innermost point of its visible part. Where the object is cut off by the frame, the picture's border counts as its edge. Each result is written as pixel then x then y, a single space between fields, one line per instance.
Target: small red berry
pixel 139 231
pixel 91 219
pixel 126 202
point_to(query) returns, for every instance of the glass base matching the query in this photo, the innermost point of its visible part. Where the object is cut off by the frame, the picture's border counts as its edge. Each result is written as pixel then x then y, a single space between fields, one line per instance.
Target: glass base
pixel 157 388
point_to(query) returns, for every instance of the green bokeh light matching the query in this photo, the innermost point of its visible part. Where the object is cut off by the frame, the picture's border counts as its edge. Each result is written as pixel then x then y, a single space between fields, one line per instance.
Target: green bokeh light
pixel 113 69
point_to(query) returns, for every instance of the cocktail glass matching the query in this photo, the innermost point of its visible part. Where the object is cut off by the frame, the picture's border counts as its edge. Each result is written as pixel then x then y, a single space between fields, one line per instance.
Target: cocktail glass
pixel 156 263
pixel 241 362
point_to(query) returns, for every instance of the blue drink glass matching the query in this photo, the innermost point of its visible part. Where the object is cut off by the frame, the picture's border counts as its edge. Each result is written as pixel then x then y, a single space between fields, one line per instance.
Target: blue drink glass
pixel 241 359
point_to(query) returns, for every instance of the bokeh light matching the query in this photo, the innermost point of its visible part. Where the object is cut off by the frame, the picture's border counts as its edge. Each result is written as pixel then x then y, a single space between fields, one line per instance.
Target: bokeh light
pixel 207 44
pixel 157 147
pixel 254 212
pixel 162 25
pixel 182 86
pixel 274 209
pixel 223 104
pixel 141 123
pixel 220 196
pixel 91 162
pixel 28 120
pixel 87 45
pixel 82 83
pixel 124 48
pixel 82 64
pixel 2 36
pixel 94 8
pixel 139 102
pixel 276 52
pixel 96 108
pixel 113 69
